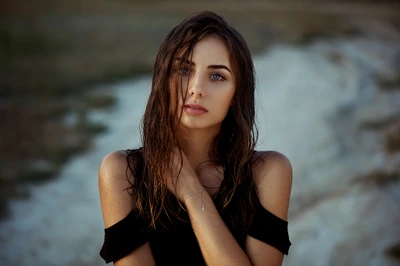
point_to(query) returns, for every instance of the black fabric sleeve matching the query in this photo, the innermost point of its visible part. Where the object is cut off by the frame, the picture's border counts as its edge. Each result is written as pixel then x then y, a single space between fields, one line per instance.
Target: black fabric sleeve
pixel 270 229
pixel 123 237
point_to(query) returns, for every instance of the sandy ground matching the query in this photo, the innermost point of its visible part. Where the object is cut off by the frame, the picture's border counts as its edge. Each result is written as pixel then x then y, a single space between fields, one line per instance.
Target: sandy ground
pixel 299 90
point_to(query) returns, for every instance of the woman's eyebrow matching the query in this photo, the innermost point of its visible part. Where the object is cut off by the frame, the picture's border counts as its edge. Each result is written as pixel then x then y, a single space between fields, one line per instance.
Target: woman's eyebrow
pixel 219 67
pixel 209 67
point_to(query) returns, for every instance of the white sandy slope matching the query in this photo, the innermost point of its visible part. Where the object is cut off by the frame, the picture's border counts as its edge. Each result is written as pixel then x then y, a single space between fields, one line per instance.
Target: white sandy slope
pixel 300 90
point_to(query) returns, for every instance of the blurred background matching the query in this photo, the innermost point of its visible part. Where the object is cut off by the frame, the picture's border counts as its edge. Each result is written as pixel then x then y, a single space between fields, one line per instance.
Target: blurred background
pixel 75 77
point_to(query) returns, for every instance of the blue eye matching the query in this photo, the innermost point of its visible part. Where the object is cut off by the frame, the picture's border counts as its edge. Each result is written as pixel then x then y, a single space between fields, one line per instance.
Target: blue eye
pixel 184 71
pixel 217 77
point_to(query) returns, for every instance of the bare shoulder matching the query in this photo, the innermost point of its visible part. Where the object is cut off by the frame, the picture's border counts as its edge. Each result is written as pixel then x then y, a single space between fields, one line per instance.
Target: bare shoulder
pixel 272 174
pixel 113 166
pixel 266 163
pixel 113 184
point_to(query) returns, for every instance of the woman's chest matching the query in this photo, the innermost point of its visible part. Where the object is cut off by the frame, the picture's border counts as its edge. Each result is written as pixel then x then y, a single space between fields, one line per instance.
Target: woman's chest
pixel 176 245
pixel 211 178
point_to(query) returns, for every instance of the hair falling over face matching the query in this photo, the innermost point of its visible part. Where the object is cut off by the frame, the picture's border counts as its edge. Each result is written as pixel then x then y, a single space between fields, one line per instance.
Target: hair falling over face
pixel 232 148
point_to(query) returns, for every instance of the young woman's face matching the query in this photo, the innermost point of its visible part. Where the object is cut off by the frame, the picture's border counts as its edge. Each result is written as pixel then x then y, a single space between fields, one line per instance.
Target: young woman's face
pixel 210 84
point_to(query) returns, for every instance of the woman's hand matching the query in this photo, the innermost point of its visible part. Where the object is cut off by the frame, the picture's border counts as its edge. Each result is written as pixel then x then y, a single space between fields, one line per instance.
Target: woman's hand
pixel 183 180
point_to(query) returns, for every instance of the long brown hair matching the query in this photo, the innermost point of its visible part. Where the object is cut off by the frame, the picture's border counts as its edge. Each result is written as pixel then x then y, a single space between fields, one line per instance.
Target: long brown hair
pixel 232 148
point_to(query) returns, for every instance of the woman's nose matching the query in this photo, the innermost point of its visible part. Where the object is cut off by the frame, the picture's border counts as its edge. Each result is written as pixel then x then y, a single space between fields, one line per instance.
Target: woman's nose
pixel 196 85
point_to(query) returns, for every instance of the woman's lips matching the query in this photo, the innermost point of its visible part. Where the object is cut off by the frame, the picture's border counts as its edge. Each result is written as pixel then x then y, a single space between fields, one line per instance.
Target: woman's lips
pixel 194 109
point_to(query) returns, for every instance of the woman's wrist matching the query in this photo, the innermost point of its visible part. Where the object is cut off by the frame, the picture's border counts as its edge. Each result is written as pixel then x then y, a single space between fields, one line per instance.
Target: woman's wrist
pixel 198 193
pixel 190 188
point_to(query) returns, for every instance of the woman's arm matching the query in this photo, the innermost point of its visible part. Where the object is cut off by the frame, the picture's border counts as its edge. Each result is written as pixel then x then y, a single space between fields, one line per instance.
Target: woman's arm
pixel 116 203
pixel 273 178
pixel 219 247
pixel 216 242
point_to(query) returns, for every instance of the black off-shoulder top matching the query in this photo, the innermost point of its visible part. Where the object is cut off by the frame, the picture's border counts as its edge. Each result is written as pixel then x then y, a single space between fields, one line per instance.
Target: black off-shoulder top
pixel 177 244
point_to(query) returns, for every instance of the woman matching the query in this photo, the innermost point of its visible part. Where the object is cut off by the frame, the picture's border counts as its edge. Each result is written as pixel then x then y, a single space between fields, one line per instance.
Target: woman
pixel 197 193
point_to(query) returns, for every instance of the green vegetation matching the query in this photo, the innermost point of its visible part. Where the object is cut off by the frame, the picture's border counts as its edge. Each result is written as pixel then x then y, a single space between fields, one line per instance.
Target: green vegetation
pixel 99 101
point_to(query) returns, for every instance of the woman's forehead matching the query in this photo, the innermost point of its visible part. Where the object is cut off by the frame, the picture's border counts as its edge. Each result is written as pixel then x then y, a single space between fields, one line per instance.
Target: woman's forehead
pixel 211 48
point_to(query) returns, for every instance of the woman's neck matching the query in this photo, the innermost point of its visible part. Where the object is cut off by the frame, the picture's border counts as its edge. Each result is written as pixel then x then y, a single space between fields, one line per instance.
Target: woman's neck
pixel 196 144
